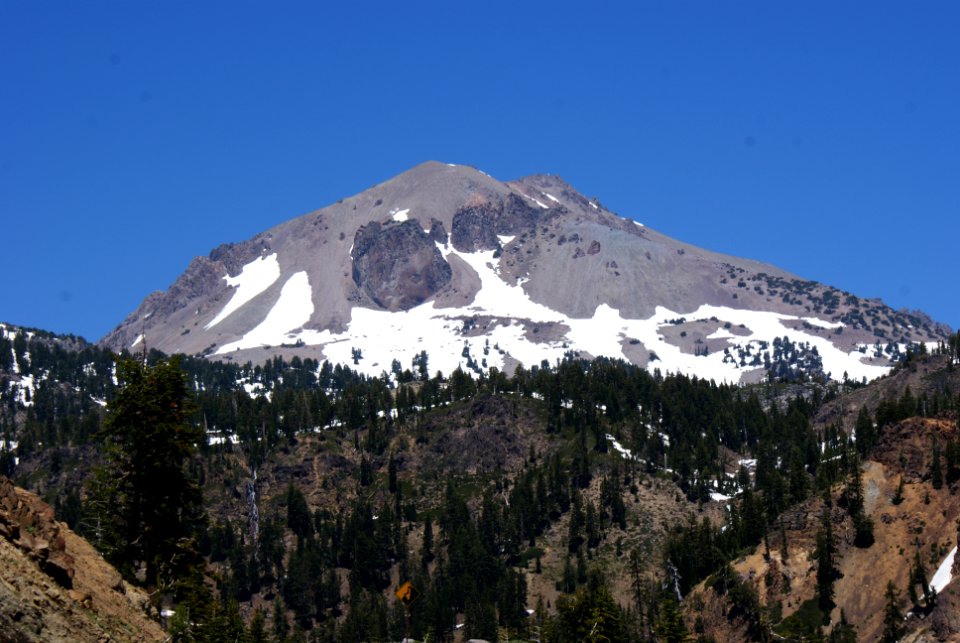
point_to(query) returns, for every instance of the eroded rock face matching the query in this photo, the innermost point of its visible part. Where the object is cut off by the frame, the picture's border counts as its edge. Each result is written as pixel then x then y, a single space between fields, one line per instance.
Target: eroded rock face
pixel 234 256
pixel 55 587
pixel 475 227
pixel 397 265
pixel 32 528
pixel 437 232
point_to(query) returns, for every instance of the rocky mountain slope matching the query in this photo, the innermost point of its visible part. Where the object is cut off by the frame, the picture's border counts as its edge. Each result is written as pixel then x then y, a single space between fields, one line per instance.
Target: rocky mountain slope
pixel 481 273
pixel 55 587
pixel 914 507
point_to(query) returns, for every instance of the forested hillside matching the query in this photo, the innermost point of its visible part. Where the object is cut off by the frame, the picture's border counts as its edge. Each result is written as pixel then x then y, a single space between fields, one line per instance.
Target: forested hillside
pixel 564 502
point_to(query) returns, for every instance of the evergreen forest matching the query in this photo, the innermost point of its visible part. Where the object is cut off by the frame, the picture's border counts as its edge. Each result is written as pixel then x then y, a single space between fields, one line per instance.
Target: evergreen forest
pixel 574 501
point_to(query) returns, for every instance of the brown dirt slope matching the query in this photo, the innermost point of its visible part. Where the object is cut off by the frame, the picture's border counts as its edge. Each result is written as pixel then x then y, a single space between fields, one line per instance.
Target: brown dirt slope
pixel 55 587
pixel 926 521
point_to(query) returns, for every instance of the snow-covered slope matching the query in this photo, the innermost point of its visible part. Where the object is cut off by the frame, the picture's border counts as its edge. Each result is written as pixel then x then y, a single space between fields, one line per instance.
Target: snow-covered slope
pixel 479 274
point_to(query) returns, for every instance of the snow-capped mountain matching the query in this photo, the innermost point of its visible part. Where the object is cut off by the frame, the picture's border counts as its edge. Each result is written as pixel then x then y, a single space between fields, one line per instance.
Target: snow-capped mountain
pixel 479 273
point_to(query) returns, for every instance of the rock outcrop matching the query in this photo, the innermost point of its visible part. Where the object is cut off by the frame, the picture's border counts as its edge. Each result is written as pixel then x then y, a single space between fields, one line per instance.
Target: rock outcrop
pixel 32 528
pixel 55 587
pixel 398 265
pixel 476 225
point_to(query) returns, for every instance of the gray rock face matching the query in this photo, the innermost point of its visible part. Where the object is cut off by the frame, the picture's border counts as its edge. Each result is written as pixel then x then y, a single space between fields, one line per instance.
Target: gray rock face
pixel 398 265
pixel 438 234
pixel 476 226
pixel 233 256
pixel 201 276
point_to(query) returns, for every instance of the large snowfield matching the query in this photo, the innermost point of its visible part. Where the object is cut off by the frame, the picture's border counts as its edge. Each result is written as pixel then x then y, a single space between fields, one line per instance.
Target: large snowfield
pixel 382 336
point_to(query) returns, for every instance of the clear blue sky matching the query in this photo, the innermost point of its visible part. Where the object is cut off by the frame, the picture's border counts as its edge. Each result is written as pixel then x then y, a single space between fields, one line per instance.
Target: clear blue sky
pixel 822 137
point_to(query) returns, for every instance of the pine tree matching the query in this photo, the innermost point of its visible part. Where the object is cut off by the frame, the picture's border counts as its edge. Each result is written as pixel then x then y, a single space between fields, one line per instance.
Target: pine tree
pixel 918 576
pixel 281 629
pixel 591 615
pixel 148 507
pixel 575 526
pixel 898 495
pixel 568 582
pixel 893 628
pixel 863 530
pixel 299 519
pixel 258 628
pixel 670 627
pixel 862 524
pixel 426 548
pixel 950 454
pixel 481 621
pixel 865 431
pixel 784 549
pixel 853 494
pixel 392 475
pixel 825 553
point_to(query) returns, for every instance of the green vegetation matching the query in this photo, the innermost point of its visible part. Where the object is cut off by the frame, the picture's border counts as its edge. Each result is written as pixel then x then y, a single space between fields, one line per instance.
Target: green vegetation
pixel 128 476
pixel 804 624
pixel 147 506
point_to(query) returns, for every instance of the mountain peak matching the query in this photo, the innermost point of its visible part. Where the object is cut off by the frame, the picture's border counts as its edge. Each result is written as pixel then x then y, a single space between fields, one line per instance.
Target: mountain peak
pixel 482 273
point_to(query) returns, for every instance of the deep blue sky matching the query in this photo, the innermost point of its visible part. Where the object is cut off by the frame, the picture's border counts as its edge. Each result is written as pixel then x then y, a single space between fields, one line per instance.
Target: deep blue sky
pixel 824 139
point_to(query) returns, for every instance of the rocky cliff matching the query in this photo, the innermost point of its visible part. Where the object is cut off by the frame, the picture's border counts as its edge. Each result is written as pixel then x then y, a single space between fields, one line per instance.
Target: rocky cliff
pixel 55 587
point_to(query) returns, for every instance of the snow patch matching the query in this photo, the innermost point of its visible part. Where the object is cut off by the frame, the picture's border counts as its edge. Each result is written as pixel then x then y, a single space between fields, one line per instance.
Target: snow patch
pixel 26 390
pixel 820 323
pixel 7 333
pixel 619 448
pixel 400 215
pixel 538 202
pixel 512 320
pixel 215 438
pixel 292 310
pixel 942 577
pixel 551 197
pixel 254 278
pixel 137 340
pixel 721 333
